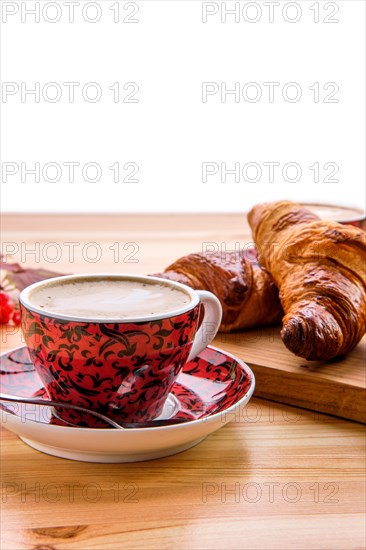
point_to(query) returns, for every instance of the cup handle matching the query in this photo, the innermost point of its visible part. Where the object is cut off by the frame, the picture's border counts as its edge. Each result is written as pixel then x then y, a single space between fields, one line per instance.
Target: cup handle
pixel 210 323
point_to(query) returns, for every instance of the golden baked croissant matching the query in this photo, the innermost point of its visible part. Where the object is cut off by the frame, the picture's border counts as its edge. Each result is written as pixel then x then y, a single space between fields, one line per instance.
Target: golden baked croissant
pixel 246 291
pixel 320 270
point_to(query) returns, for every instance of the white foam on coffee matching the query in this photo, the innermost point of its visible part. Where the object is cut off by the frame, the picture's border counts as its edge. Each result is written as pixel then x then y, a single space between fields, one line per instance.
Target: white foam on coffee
pixel 109 298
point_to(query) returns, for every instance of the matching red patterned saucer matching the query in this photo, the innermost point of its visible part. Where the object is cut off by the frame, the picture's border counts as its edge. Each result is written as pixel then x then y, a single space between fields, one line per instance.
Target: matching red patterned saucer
pixel 210 391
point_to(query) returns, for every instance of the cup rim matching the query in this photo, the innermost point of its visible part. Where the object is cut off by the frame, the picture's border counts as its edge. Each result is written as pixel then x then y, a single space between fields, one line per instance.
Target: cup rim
pixel 24 298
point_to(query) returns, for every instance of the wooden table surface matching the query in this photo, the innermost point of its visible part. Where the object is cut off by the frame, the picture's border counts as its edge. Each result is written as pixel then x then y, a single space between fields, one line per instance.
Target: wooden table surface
pixel 281 477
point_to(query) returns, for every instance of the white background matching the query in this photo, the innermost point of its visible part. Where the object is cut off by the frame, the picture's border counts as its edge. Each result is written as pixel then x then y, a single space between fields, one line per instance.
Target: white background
pixel 170 131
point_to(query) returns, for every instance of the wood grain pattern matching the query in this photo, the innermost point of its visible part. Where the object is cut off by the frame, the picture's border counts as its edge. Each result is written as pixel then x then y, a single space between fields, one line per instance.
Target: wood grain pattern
pixel 276 477
pixel 336 387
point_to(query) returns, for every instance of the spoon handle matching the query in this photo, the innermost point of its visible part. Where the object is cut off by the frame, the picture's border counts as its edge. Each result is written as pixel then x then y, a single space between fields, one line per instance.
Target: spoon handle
pixel 122 426
pixel 49 403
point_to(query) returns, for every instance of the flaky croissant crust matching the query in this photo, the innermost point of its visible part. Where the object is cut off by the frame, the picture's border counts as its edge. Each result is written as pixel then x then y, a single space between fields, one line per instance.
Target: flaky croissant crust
pixel 320 269
pixel 246 291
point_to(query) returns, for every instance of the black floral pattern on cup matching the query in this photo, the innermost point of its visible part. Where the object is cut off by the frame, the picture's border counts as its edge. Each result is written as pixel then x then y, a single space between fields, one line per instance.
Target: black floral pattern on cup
pixel 122 370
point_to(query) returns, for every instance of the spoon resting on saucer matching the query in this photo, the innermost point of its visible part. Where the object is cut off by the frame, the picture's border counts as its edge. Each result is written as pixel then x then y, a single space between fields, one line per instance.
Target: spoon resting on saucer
pixel 119 426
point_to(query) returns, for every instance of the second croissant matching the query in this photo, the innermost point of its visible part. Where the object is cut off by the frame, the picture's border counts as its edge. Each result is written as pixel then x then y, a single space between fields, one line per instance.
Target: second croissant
pixel 246 291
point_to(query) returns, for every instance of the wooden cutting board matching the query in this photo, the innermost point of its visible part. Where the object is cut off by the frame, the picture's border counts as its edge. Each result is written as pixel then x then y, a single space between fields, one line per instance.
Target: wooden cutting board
pixel 336 387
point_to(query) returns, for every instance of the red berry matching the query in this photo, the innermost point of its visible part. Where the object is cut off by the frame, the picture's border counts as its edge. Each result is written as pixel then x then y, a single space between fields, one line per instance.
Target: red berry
pixel 16 317
pixel 4 297
pixel 4 317
pixel 6 308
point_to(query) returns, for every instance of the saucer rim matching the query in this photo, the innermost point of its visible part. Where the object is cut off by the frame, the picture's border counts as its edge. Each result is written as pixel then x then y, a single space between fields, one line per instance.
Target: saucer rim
pixel 181 426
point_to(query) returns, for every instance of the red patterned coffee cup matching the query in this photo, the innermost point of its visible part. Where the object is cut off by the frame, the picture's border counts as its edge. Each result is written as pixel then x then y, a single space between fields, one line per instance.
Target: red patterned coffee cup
pixel 121 367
